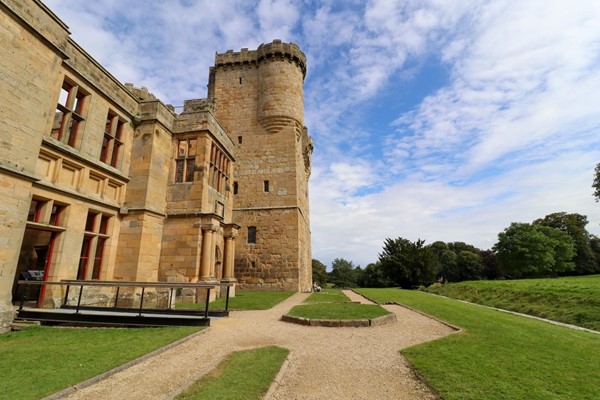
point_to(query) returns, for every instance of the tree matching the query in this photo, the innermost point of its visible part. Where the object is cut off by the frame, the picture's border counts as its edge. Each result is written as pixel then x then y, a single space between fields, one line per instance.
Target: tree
pixel 319 272
pixel 458 261
pixel 530 250
pixel 574 225
pixel 596 183
pixel 470 265
pixel 407 264
pixel 343 273
pixel 373 277
pixel 491 269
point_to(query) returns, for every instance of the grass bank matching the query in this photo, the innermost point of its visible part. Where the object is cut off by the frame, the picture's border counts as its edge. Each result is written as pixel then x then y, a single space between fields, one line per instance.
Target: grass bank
pixel 243 301
pixel 572 300
pixel 39 361
pixel 242 375
pixel 338 311
pixel 327 296
pixel 498 355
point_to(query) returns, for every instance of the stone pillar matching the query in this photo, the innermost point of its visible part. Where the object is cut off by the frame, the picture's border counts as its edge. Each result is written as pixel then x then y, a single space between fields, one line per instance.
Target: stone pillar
pixel 230 234
pixel 207 242
pixel 228 258
pixel 213 255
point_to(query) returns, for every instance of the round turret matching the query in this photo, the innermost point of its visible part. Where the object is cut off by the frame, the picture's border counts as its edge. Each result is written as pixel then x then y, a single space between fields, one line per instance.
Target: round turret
pixel 281 71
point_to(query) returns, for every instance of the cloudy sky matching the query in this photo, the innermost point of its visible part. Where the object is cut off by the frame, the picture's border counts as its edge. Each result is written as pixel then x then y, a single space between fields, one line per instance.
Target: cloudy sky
pixel 433 119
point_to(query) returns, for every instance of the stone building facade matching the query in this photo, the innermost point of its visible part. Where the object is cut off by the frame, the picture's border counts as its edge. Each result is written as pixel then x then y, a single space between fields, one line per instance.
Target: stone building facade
pixel 101 180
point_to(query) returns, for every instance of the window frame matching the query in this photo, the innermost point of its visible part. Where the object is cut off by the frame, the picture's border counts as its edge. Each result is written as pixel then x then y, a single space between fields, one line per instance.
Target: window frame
pixel 93 246
pixel 187 172
pixel 252 234
pixel 112 141
pixel 218 177
pixel 69 129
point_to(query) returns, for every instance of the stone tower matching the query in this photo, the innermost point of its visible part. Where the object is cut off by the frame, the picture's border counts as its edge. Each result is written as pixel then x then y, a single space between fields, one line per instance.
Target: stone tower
pixel 259 100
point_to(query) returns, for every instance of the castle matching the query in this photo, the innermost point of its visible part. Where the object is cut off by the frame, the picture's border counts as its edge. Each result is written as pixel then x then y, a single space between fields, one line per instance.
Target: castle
pixel 100 180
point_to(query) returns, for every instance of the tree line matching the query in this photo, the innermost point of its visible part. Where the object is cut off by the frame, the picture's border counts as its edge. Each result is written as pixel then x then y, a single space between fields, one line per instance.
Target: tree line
pixel 556 245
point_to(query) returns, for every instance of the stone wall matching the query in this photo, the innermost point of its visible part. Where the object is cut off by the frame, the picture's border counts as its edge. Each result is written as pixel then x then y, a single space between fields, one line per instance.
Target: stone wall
pixel 26 63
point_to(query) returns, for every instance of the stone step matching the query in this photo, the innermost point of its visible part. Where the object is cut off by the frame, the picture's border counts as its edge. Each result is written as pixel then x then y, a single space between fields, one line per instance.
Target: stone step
pixel 20 324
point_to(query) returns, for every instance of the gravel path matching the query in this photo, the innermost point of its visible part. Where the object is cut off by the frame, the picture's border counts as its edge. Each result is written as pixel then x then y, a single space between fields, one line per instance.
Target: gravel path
pixel 332 363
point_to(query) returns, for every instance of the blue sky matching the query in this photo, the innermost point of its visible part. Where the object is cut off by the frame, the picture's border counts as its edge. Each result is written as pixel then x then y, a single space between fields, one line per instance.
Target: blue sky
pixel 433 119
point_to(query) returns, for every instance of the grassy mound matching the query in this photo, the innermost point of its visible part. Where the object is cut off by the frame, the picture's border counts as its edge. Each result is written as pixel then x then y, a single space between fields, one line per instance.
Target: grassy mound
pixel 572 300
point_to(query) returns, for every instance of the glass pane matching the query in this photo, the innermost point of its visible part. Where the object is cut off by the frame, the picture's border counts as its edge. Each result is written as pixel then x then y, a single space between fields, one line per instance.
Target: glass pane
pixel 89 223
pixel 251 234
pixel 191 167
pixel 104 224
pixel 179 166
pixel 182 152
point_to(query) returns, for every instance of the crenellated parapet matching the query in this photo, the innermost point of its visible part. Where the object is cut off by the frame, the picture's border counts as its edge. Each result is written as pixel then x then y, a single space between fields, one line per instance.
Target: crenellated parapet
pixel 276 50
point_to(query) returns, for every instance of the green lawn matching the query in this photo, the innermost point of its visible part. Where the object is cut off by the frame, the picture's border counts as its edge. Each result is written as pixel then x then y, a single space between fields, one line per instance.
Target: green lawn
pixel 498 355
pixel 251 301
pixel 327 296
pixel 242 375
pixel 338 311
pixel 39 361
pixel 573 300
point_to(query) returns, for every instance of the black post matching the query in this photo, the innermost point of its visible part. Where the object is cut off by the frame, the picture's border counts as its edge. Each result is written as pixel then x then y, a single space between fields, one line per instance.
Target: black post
pixel 66 296
pixel 207 300
pixel 142 300
pixel 227 300
pixel 117 297
pixel 79 299
pixel 23 296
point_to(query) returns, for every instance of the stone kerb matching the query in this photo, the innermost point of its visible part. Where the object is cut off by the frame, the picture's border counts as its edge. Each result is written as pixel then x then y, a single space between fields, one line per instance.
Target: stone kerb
pixel 341 323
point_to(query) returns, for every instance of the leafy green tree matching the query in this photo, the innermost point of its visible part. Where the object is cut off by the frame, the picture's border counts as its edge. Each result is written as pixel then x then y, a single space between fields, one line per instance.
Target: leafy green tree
pixel 343 273
pixel 458 261
pixel 574 225
pixel 373 277
pixel 407 264
pixel 319 272
pixel 596 183
pixel 491 269
pixel 530 250
pixel 470 265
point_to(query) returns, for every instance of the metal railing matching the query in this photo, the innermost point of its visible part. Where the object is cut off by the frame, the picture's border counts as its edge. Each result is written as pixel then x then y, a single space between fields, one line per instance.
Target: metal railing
pixel 121 284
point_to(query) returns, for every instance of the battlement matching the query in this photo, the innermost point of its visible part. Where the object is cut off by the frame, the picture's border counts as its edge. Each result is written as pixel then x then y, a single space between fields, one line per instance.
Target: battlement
pixel 273 50
pixel 198 105
pixel 141 93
